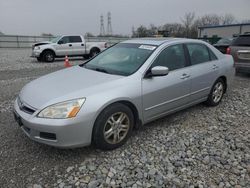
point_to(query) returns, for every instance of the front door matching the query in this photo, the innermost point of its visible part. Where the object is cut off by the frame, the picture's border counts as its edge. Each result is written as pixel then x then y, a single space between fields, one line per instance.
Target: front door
pixel 164 94
pixel 64 47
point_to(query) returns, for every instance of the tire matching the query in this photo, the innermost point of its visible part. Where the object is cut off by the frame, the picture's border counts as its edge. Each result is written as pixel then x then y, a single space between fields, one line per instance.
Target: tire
pixel 216 93
pixel 94 52
pixel 48 56
pixel 85 56
pixel 39 59
pixel 108 122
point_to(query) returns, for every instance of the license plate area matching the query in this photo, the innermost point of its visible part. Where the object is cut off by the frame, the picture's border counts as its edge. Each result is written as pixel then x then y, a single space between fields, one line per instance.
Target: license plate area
pixel 18 119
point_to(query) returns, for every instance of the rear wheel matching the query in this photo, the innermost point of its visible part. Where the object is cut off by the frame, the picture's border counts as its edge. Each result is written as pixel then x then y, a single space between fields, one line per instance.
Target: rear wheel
pixel 216 93
pixel 48 56
pixel 94 52
pixel 113 127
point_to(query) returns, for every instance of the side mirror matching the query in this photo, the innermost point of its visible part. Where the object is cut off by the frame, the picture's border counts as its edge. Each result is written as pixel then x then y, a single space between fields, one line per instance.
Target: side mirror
pixel 158 71
pixel 60 42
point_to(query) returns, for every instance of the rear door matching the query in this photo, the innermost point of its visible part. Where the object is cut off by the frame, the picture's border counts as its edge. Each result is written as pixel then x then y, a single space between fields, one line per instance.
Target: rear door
pixel 77 45
pixel 204 70
pixel 164 94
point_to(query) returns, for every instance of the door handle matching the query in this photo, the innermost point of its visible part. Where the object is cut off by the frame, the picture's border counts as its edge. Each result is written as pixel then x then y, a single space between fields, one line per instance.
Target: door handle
pixel 215 67
pixel 70 45
pixel 184 76
pixel 82 44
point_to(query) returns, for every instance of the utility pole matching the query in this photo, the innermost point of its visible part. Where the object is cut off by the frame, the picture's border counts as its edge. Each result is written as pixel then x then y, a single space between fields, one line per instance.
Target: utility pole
pixel 102 31
pixel 109 27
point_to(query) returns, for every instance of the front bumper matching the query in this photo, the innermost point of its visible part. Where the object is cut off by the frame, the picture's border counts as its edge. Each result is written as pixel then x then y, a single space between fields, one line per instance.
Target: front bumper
pixel 35 53
pixel 63 133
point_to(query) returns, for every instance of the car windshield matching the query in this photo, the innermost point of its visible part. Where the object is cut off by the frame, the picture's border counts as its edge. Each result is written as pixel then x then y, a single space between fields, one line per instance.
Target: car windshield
pixel 121 59
pixel 54 40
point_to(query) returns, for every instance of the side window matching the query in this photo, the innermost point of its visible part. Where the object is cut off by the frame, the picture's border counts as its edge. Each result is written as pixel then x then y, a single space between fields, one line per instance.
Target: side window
pixel 212 55
pixel 64 40
pixel 198 53
pixel 172 57
pixel 75 39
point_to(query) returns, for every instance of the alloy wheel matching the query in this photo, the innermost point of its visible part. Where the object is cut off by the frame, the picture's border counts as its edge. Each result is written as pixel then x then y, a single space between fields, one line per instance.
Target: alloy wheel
pixel 116 128
pixel 218 92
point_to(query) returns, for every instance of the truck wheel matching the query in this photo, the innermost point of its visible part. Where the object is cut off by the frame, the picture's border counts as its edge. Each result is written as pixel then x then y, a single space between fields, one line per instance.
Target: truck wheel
pixel 48 56
pixel 94 52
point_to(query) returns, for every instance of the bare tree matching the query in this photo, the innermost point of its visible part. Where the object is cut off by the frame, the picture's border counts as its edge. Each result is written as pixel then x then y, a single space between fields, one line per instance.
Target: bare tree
pixel 188 21
pixel 47 35
pixel 142 31
pixel 174 29
pixel 228 19
pixel 245 21
pixel 208 19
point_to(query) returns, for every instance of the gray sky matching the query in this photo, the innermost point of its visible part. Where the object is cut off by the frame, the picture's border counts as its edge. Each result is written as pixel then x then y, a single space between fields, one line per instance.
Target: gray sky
pixel 33 17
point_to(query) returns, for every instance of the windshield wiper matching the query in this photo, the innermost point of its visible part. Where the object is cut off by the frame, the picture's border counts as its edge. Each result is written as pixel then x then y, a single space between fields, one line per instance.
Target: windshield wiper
pixel 101 70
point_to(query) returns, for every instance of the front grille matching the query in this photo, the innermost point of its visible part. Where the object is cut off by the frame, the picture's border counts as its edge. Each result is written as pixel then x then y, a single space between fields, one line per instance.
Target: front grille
pixel 27 109
pixel 24 107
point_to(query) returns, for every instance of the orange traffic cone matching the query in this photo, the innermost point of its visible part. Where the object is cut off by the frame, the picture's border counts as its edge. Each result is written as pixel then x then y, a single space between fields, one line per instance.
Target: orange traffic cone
pixel 66 62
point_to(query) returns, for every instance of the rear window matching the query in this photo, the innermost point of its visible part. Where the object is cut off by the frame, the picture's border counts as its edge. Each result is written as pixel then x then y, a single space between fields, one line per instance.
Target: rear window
pixel 75 39
pixel 198 53
pixel 242 41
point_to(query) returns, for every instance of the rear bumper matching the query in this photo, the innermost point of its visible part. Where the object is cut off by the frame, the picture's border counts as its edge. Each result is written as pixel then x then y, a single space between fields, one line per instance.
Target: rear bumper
pixel 242 67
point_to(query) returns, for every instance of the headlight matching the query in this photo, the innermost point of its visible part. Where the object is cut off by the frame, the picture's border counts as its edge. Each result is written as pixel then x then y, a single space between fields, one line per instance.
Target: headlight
pixel 63 110
pixel 37 48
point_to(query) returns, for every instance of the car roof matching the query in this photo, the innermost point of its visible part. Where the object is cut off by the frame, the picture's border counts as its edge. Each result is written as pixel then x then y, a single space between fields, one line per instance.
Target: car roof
pixel 157 41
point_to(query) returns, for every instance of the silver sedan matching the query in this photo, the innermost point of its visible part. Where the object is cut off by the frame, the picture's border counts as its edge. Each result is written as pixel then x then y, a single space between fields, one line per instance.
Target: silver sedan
pixel 132 83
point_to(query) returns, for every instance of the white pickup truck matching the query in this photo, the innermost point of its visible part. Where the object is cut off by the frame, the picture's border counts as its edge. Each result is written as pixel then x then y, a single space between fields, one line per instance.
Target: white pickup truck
pixel 66 45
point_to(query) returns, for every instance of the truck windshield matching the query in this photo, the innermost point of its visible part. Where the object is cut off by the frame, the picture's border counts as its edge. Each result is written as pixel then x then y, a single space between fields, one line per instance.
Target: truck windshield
pixel 121 59
pixel 54 40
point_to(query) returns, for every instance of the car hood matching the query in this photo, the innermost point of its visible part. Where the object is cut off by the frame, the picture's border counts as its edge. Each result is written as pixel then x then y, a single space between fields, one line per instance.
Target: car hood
pixel 66 84
pixel 41 43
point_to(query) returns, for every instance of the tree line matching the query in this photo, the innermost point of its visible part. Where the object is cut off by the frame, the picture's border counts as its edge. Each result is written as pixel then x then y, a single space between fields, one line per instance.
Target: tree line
pixel 188 27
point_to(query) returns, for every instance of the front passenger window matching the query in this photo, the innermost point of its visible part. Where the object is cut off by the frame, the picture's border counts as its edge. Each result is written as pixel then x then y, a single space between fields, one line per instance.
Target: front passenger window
pixel 172 57
pixel 65 40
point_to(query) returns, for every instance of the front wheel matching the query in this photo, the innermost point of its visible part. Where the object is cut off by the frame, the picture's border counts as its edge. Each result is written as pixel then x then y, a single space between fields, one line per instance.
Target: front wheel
pixel 113 127
pixel 216 93
pixel 48 56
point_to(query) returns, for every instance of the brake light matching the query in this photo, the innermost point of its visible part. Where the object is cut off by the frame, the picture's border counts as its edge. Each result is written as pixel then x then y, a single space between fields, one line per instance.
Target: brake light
pixel 228 50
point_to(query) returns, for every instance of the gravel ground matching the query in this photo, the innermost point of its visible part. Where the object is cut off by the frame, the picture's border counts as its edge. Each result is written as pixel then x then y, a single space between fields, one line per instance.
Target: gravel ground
pixel 197 147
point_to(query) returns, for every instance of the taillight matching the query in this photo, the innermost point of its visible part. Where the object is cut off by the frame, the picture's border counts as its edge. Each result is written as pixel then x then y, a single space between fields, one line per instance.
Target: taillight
pixel 228 51
pixel 105 45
